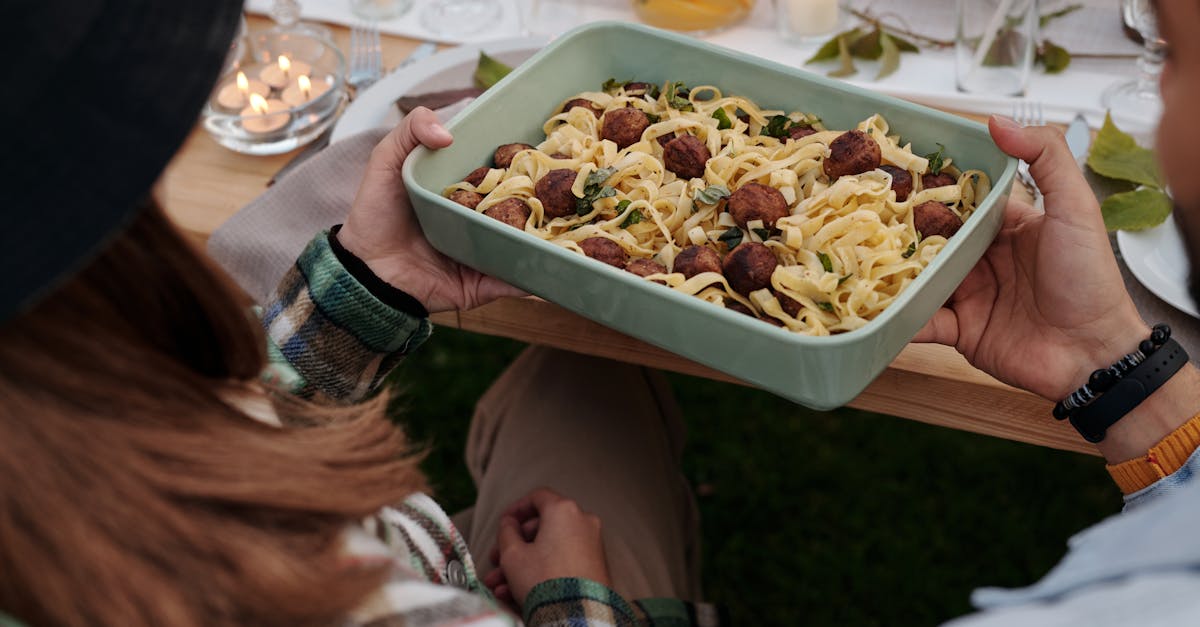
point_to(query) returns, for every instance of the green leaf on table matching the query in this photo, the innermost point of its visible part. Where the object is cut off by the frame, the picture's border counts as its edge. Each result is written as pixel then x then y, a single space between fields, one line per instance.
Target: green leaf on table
pixel 723 121
pixel 1054 15
pixel 903 44
pixel 890 57
pixel 826 262
pixel 1117 155
pixel 829 50
pixel 847 62
pixel 731 238
pixel 489 71
pixel 869 46
pixel 1054 58
pixel 710 195
pixel 935 160
pixel 1133 211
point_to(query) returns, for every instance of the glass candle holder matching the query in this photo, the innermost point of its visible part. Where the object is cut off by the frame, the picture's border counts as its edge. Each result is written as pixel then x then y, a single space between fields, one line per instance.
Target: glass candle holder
pixel 806 21
pixel 284 94
pixel 994 45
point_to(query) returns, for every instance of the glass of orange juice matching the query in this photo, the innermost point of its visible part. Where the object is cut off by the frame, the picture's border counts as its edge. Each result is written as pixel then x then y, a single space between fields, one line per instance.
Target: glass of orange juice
pixel 698 17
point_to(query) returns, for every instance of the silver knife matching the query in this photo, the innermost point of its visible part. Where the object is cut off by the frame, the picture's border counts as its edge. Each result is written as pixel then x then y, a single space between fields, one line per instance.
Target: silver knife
pixel 420 52
pixel 1079 138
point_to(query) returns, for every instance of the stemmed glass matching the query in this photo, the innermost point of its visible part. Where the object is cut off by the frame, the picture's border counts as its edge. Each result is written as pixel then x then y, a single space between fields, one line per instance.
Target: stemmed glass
pixel 1138 99
pixel 454 18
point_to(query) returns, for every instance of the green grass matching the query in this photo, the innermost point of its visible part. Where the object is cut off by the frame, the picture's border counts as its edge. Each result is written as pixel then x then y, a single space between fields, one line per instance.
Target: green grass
pixel 819 518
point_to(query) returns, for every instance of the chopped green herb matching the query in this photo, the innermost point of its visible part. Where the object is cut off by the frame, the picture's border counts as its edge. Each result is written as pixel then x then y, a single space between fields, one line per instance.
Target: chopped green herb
pixel 912 250
pixel 731 238
pixel 654 119
pixel 677 96
pixel 777 126
pixel 594 189
pixel 935 160
pixel 763 234
pixel 634 216
pixel 826 262
pixel 844 279
pixel 710 195
pixel 598 177
pixel 613 84
pixel 723 121
pixel 826 306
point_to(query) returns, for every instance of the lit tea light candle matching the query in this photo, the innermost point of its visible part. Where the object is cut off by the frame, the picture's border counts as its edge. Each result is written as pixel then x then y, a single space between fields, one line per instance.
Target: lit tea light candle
pixel 808 18
pixel 283 72
pixel 236 93
pixel 264 116
pixel 303 90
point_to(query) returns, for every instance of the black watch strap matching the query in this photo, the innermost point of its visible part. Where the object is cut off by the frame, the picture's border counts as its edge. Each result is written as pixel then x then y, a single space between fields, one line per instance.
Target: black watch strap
pixel 1093 420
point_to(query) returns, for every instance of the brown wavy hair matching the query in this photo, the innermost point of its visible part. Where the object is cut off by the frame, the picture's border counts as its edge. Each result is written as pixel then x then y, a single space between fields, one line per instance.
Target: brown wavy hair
pixel 132 492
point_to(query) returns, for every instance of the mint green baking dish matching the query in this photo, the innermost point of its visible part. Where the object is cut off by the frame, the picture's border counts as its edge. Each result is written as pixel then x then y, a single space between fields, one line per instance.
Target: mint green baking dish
pixel 820 372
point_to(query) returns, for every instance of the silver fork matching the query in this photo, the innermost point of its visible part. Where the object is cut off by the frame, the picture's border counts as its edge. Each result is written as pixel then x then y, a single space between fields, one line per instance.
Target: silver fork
pixel 1028 113
pixel 366 57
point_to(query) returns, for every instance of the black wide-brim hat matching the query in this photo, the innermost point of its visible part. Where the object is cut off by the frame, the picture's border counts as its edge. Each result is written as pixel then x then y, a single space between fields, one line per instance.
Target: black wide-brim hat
pixel 97 96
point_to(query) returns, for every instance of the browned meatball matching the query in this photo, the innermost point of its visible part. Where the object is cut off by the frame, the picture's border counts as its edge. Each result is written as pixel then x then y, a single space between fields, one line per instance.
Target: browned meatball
pixel 853 152
pixel 581 102
pixel 755 201
pixel 789 305
pixel 749 267
pixel 470 200
pixel 686 156
pixel 511 211
pixel 695 260
pixel 797 132
pixel 624 127
pixel 504 154
pixel 930 180
pixel 645 267
pixel 554 190
pixel 638 88
pixel 902 182
pixel 934 218
pixel 606 250
pixel 477 175
pixel 663 140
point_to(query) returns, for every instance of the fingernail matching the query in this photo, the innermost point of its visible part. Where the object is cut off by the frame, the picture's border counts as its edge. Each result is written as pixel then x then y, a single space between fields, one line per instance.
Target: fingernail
pixel 1003 122
pixel 440 130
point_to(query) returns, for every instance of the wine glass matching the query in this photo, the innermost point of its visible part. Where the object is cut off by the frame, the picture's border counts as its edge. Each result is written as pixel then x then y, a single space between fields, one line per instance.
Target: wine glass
pixel 1138 100
pixel 455 18
pixel 286 14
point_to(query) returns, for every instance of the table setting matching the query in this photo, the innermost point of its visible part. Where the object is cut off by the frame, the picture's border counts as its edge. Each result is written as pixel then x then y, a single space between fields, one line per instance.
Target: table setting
pixel 285 96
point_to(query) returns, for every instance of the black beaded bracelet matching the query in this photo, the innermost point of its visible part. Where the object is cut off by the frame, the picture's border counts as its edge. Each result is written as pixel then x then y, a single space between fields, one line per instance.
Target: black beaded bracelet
pixel 1104 379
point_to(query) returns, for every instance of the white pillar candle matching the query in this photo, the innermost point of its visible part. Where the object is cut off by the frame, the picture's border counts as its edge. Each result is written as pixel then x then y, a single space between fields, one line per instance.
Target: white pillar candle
pixel 264 116
pixel 284 71
pixel 236 93
pixel 807 18
pixel 303 90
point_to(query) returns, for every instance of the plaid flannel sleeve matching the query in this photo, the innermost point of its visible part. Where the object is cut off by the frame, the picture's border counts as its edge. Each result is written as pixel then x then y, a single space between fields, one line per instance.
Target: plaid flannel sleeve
pixel 328 336
pixel 570 601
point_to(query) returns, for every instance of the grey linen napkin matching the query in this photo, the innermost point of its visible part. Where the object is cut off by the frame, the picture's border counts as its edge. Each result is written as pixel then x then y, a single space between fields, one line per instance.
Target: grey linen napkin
pixel 260 243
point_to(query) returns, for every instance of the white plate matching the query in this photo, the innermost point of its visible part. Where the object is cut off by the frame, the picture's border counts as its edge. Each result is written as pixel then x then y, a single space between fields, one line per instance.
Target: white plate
pixel 1157 259
pixel 452 69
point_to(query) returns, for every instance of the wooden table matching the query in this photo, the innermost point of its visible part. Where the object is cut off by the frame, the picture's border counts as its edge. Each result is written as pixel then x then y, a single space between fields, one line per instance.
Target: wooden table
pixel 206 184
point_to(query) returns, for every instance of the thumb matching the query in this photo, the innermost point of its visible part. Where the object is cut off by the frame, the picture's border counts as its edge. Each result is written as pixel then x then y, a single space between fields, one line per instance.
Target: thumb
pixel 420 127
pixel 510 535
pixel 1052 165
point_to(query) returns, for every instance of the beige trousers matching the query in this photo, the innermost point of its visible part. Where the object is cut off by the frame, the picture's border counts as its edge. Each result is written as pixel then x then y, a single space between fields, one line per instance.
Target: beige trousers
pixel 606 434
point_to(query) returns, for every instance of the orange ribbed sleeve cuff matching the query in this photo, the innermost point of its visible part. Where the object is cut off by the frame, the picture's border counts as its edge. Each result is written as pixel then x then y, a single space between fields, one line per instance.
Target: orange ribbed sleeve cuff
pixel 1163 459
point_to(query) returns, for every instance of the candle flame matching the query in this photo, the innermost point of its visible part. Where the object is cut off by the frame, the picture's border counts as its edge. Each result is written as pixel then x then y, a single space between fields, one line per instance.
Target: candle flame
pixel 242 83
pixel 284 64
pixel 305 85
pixel 258 103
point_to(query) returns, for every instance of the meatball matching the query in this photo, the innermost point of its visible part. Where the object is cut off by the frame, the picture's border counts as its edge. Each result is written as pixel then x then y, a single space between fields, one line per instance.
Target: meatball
pixel 755 201
pixel 942 179
pixel 504 154
pixel 638 87
pixel 902 182
pixel 477 175
pixel 663 140
pixel 606 250
pixel 511 211
pixel 645 267
pixel 853 152
pixel 789 305
pixel 695 260
pixel 686 156
pixel 740 308
pixel 934 218
pixel 581 102
pixel 470 200
pixel 797 132
pixel 749 267
pixel 554 190
pixel 624 127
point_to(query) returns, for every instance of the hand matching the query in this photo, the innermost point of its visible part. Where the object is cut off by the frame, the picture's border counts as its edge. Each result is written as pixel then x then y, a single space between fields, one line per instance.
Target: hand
pixel 383 231
pixel 546 536
pixel 1046 305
